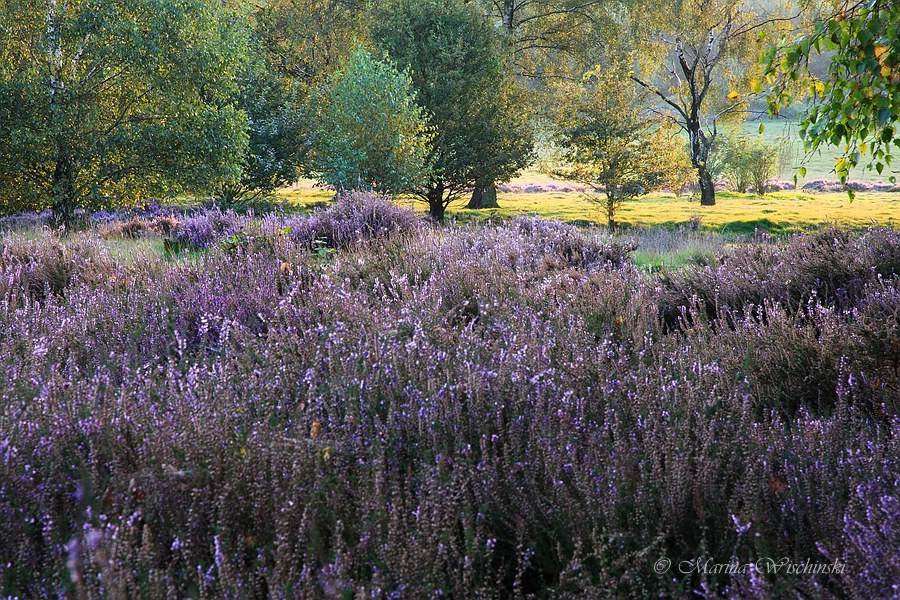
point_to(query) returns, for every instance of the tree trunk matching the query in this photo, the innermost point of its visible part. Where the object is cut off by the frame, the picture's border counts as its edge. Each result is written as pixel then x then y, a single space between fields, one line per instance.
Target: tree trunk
pixel 509 17
pixel 700 147
pixel 484 196
pixel 436 204
pixel 610 212
pixel 63 191
pixel 707 188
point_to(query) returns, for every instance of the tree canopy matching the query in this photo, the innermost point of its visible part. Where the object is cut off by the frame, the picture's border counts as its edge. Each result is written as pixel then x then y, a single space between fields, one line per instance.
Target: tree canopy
pixel 370 132
pixel 551 38
pixel 105 101
pixel 456 66
pixel 108 102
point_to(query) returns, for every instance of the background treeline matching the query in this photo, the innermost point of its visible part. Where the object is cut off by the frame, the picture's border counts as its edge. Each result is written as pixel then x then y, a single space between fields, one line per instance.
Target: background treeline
pixel 104 102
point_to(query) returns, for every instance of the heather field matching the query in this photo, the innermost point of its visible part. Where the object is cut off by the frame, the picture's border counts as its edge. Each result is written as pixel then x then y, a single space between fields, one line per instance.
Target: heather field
pixel 359 404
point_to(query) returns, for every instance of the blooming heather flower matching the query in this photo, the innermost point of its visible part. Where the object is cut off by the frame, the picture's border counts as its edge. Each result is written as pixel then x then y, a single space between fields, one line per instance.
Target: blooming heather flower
pixel 480 411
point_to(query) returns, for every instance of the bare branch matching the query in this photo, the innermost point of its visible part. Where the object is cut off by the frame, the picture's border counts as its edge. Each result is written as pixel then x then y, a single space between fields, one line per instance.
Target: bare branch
pixel 661 95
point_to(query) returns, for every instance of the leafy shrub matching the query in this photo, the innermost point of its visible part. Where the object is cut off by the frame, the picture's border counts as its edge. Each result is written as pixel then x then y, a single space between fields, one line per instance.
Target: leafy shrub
pixel 371 134
pixel 609 143
pixel 749 162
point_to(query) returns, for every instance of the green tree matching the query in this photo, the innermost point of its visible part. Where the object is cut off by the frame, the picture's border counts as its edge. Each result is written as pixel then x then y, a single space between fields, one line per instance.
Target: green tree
pixel 370 132
pixel 857 105
pixel 703 48
pixel 736 158
pixel 277 129
pixel 105 101
pixel 543 41
pixel 678 174
pixel 609 143
pixel 457 70
pixel 294 45
pixel 306 40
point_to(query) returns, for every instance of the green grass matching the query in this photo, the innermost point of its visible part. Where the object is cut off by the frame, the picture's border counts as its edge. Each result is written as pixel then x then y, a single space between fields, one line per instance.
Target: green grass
pixel 658 261
pixel 819 165
pixel 305 193
pixel 733 213
pixel 132 251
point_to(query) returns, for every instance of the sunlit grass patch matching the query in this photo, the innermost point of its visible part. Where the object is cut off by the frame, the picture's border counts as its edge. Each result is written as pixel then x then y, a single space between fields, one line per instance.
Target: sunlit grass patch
pixel 733 212
pixel 736 213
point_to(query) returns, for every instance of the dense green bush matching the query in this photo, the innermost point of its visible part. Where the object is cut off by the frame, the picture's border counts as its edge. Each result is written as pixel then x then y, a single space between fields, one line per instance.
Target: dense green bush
pixel 748 162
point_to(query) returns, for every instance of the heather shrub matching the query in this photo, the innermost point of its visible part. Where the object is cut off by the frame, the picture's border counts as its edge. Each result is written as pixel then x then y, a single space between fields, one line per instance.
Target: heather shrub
pixel 355 217
pixel 131 229
pixel 571 246
pixel 163 226
pixel 200 231
pixel 833 265
pixel 35 269
pixel 872 533
pixel 462 412
pixel 24 221
pixel 195 233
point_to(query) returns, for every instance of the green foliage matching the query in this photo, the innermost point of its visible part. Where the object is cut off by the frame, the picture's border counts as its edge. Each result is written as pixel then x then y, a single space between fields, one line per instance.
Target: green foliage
pixel 457 70
pixel 275 104
pixel 547 39
pixel 105 101
pixel 370 133
pixel 716 162
pixel 748 162
pixel 678 173
pixel 306 40
pixel 857 106
pixel 294 46
pixel 608 142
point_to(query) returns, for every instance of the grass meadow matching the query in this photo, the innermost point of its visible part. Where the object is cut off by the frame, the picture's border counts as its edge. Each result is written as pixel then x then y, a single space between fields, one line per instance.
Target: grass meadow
pixel 776 212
